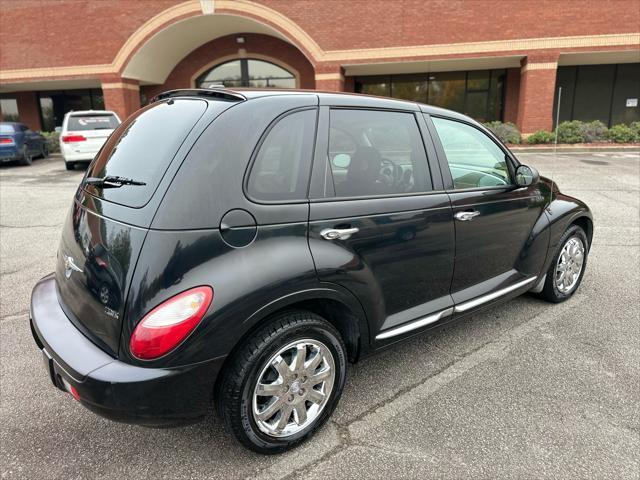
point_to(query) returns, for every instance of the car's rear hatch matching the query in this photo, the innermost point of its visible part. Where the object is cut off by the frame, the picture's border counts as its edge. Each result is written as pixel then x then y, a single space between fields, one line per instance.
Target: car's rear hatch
pixel 98 253
pixel 95 263
pixel 87 132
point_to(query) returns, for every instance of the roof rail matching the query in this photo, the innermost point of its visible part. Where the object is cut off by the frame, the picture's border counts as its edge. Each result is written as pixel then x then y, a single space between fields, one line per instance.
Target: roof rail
pixel 221 94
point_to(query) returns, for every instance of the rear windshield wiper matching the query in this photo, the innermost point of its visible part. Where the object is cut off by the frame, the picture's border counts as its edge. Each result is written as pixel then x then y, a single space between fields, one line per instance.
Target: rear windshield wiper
pixel 111 181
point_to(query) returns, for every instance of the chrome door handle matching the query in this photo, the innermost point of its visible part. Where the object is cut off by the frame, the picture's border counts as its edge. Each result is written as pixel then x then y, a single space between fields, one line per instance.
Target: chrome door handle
pixel 466 216
pixel 338 233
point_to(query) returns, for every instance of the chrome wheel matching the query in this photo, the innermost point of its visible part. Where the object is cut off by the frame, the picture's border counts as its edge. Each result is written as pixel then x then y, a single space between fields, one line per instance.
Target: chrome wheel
pixel 293 388
pixel 569 265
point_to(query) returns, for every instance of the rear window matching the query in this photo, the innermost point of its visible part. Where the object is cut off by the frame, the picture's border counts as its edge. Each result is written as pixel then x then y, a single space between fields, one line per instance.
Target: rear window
pixel 92 122
pixel 6 129
pixel 142 149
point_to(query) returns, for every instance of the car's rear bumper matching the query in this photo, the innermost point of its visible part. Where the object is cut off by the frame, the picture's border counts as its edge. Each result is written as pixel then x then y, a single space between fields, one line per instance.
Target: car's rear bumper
pixel 78 157
pixel 81 152
pixel 9 154
pixel 111 388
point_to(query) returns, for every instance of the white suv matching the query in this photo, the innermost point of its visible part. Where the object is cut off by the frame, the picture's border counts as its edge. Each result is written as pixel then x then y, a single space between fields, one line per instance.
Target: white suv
pixel 84 133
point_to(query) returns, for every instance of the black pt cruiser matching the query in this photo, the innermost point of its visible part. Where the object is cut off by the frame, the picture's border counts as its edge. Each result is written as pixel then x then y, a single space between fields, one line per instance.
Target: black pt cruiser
pixel 240 247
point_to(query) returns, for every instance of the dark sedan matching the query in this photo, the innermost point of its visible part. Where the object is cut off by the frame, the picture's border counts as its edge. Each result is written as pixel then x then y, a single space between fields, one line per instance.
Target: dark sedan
pixel 19 142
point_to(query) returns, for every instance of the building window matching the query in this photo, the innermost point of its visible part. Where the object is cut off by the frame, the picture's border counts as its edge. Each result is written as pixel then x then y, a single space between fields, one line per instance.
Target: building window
pixel 55 104
pixel 9 109
pixel 478 94
pixel 608 93
pixel 247 72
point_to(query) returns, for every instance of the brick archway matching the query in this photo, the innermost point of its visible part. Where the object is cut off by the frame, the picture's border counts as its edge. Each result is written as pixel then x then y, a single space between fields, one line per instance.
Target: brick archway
pixel 262 47
pixel 182 28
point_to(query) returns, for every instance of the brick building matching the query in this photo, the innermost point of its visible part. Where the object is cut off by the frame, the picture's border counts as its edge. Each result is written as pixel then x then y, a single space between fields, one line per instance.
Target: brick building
pixel 492 59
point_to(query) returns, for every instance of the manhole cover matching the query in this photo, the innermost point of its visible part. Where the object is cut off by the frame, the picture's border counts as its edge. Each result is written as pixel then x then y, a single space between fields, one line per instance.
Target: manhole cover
pixel 595 162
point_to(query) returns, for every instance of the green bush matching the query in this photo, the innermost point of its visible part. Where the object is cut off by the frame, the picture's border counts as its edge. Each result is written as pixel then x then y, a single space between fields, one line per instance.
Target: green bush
pixel 635 127
pixel 621 134
pixel 574 131
pixel 541 136
pixel 53 141
pixel 595 131
pixel 506 132
pixel 569 132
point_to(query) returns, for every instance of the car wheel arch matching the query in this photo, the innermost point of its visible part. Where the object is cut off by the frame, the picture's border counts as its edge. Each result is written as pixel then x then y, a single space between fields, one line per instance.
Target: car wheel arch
pixel 564 212
pixel 340 308
pixel 332 302
pixel 586 223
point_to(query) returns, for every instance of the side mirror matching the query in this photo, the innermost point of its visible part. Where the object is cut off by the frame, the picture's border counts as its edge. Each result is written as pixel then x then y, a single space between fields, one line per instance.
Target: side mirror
pixel 526 176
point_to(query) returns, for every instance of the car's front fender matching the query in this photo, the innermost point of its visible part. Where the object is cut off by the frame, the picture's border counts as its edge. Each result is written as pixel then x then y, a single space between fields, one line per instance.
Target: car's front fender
pixel 563 211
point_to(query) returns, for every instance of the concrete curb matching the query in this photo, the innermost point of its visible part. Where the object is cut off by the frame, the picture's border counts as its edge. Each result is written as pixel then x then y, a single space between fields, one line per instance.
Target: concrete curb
pixel 580 148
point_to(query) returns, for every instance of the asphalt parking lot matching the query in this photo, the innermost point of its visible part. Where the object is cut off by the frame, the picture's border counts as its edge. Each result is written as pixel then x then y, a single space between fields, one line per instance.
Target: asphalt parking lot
pixel 524 390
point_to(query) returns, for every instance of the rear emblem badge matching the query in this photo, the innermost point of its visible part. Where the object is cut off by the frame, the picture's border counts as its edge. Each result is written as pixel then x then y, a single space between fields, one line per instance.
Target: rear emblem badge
pixel 112 313
pixel 70 266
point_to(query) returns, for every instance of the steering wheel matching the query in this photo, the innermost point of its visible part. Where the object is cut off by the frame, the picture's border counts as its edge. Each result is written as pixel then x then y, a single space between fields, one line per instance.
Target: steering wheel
pixel 390 173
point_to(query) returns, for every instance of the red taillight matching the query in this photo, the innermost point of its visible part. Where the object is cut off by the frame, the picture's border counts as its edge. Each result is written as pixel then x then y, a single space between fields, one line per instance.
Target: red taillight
pixel 167 325
pixel 73 138
pixel 5 141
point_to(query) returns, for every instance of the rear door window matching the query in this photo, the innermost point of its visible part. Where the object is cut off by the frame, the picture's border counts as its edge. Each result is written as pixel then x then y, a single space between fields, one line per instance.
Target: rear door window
pixel 374 153
pixel 142 148
pixel 280 171
pixel 92 122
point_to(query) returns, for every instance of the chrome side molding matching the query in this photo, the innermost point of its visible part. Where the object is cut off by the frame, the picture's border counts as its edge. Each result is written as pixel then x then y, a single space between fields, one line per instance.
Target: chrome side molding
pixel 540 285
pixel 422 322
pixel 463 307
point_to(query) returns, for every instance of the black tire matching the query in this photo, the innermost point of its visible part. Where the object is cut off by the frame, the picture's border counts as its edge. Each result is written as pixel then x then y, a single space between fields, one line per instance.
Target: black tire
pixel 550 292
pixel 234 397
pixel 70 165
pixel 26 158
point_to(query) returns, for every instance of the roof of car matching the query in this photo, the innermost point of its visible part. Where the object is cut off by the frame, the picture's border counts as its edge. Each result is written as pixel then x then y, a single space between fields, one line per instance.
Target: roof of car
pixel 324 97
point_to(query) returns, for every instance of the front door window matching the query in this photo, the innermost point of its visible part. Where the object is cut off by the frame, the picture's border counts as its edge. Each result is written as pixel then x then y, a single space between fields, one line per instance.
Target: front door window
pixel 474 159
